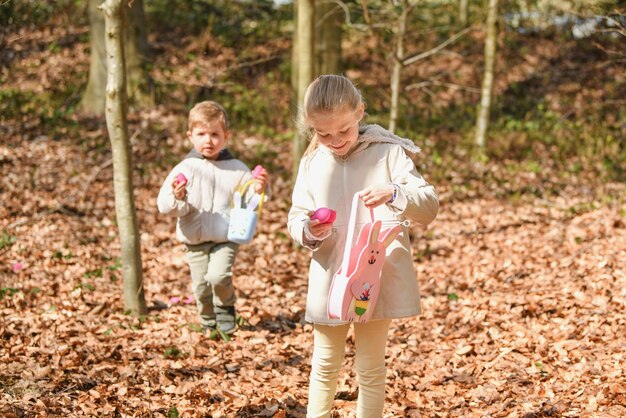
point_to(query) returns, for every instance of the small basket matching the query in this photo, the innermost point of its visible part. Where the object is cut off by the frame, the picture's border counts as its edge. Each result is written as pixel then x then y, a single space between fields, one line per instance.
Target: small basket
pixel 243 221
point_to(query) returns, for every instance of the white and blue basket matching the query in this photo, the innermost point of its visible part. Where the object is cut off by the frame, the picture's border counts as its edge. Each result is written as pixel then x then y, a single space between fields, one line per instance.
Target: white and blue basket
pixel 243 220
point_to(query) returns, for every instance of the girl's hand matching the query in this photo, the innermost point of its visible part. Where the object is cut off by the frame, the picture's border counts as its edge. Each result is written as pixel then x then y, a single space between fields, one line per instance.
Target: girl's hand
pixel 374 196
pixel 180 189
pixel 260 181
pixel 319 229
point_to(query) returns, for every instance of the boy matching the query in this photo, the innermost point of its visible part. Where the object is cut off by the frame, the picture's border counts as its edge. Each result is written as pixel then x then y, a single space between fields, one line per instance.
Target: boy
pixel 201 199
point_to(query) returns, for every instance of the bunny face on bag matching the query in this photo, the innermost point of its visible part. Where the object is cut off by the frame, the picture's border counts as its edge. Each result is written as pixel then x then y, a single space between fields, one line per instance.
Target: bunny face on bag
pixel 243 221
pixel 364 283
pixel 356 285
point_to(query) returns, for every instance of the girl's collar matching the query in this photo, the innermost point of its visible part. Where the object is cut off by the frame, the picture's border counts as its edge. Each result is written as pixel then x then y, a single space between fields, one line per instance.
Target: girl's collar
pixel 376 133
pixel 224 154
pixel 369 134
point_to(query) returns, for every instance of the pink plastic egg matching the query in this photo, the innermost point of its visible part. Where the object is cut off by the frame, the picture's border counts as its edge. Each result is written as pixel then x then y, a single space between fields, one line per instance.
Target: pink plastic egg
pixel 180 178
pixel 324 215
pixel 257 171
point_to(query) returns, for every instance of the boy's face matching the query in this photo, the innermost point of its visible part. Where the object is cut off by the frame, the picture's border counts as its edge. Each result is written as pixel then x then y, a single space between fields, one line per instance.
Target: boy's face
pixel 209 138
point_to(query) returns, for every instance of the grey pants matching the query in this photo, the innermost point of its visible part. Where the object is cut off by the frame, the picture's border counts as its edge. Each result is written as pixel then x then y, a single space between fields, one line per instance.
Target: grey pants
pixel 211 277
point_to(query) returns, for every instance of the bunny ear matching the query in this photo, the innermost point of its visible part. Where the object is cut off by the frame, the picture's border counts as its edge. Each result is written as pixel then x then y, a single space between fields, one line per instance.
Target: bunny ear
pixel 390 235
pixel 254 202
pixel 374 232
pixel 237 200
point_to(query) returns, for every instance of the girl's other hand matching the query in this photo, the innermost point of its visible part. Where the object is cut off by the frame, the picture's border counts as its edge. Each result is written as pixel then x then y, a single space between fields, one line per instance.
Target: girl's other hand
pixel 260 181
pixel 374 196
pixel 180 189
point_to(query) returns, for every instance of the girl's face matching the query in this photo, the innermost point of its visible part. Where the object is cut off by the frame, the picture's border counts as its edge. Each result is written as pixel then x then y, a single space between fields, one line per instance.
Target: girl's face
pixel 209 138
pixel 339 130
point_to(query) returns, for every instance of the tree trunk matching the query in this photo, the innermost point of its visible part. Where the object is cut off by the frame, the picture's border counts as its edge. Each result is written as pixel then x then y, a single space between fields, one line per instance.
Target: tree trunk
pixel 482 121
pixel 116 109
pixel 396 70
pixel 139 83
pixel 94 97
pixel 306 57
pixel 295 57
pixel 328 36
pixel 463 6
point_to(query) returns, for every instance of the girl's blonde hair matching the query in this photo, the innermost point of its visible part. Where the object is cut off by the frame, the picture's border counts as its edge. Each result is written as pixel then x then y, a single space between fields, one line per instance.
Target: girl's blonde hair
pixel 326 94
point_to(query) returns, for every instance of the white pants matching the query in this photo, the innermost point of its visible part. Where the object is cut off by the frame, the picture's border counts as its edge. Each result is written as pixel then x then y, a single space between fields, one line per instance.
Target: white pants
pixel 328 353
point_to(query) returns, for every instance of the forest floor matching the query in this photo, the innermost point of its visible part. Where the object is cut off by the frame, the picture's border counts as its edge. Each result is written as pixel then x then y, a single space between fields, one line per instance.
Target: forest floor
pixel 524 293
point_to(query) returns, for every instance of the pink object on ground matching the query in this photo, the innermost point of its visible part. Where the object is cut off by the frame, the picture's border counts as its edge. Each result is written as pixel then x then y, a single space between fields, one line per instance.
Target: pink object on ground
pixel 324 215
pixel 174 300
pixel 180 178
pixel 257 171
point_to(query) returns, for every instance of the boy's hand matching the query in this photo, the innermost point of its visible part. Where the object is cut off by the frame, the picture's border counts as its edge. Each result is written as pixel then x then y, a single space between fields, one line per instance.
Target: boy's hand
pixel 180 189
pixel 260 180
pixel 374 196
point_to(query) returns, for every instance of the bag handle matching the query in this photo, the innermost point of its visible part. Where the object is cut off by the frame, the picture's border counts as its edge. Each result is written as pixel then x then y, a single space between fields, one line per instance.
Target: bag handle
pixel 242 191
pixel 351 227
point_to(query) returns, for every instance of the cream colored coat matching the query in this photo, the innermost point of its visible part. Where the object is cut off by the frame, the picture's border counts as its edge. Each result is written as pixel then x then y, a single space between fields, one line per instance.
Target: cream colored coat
pixel 325 180
pixel 204 215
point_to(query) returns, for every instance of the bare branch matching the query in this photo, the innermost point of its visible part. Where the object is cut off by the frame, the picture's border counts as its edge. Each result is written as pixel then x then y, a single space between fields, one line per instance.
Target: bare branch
pixel 348 19
pixel 426 83
pixel 411 59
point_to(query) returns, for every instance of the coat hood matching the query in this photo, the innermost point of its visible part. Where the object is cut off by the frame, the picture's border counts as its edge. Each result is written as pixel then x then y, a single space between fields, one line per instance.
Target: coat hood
pixel 376 133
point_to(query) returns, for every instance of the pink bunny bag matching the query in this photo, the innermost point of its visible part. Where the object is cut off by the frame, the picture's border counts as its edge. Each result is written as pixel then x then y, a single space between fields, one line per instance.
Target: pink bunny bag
pixel 356 285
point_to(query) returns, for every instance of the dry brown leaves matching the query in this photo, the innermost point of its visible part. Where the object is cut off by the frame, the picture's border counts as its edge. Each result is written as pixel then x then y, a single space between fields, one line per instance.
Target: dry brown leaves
pixel 523 308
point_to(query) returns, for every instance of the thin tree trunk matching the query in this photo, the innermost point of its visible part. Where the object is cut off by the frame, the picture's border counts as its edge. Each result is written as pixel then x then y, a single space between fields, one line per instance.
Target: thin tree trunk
pixel 328 35
pixel 306 19
pixel 482 121
pixel 463 6
pixel 116 109
pixel 139 84
pixel 93 99
pixel 396 71
pixel 295 58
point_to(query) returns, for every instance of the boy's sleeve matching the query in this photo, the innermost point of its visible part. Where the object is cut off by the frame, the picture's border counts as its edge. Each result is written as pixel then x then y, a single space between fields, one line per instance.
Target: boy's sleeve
pixel 166 202
pixel 417 199
pixel 301 204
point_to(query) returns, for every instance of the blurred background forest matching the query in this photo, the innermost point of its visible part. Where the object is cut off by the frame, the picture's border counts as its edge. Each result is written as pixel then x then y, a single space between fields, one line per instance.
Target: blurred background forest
pixel 522 273
pixel 558 91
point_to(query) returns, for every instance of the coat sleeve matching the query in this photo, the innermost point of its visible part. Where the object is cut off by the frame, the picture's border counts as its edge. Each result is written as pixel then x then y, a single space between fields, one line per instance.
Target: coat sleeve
pixel 301 203
pixel 166 202
pixel 417 200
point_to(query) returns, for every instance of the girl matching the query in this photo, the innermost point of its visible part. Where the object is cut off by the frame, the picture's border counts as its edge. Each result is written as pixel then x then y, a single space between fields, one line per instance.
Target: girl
pixel 345 157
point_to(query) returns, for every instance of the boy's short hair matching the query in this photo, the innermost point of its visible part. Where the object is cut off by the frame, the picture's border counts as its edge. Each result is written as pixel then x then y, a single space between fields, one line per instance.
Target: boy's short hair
pixel 207 111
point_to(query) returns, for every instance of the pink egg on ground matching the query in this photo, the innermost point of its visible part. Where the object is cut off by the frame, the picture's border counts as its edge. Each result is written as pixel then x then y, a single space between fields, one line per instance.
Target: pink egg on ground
pixel 324 215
